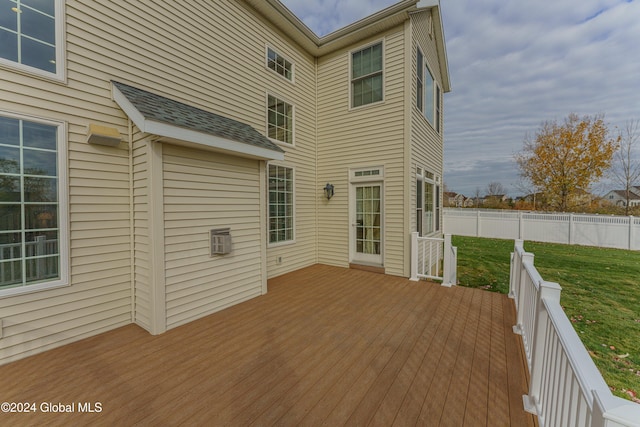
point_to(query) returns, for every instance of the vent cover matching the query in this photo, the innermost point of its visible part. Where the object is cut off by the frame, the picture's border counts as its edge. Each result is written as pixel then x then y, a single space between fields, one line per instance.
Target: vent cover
pixel 220 241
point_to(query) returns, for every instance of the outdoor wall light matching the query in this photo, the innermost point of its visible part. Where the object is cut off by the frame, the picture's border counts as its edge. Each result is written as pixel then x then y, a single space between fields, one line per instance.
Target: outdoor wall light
pixel 328 191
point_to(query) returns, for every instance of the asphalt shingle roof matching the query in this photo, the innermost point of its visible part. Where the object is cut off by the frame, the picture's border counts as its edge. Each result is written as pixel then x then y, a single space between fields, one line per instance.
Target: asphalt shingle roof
pixel 161 109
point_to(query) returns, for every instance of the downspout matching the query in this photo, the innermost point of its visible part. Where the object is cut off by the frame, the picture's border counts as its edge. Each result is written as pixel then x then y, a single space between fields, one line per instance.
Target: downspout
pixel 317 223
pixel 409 175
pixel 131 224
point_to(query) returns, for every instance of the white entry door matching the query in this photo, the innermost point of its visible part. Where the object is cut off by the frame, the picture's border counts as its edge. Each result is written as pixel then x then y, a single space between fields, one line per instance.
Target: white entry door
pixel 366 233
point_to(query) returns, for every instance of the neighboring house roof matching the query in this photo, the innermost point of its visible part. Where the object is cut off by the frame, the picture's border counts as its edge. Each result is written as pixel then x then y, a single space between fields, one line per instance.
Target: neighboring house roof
pixel 179 122
pixel 373 25
pixel 623 195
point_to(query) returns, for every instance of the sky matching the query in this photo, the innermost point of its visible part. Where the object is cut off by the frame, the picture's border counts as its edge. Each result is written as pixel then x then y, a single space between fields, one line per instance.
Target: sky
pixel 515 64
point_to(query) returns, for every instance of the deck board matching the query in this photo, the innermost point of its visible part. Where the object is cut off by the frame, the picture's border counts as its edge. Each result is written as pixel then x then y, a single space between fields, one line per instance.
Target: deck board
pixel 326 345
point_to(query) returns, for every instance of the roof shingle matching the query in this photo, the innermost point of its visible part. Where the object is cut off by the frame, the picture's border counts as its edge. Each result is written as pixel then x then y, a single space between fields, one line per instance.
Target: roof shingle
pixel 165 110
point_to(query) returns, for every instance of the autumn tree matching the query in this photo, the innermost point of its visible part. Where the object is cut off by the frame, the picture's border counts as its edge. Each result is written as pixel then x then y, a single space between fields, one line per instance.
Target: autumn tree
pixel 626 166
pixel 563 160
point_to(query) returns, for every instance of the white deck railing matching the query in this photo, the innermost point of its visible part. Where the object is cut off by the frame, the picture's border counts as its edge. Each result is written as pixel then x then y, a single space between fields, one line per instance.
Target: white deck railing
pixel 426 254
pixel 565 388
pixel 41 255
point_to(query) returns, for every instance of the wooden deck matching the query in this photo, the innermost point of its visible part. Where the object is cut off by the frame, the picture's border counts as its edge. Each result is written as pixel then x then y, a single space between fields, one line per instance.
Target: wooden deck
pixel 326 345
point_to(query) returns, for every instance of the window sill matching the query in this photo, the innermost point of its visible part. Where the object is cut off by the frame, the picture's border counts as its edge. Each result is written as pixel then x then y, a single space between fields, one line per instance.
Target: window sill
pixel 13 67
pixel 28 289
pixel 280 244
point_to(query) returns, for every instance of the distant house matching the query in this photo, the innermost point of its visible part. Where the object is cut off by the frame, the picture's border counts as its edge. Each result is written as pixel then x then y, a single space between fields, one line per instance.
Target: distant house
pixel 454 200
pixel 161 162
pixel 619 197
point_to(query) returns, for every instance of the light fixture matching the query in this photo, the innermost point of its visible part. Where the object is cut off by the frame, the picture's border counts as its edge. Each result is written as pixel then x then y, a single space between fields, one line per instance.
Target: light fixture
pixel 103 135
pixel 328 191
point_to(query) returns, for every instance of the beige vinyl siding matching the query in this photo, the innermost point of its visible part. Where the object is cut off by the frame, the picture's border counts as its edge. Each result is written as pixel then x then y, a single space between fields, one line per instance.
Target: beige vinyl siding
pixel 203 191
pixel 142 275
pixel 210 55
pixel 367 136
pixel 426 143
pixel 99 296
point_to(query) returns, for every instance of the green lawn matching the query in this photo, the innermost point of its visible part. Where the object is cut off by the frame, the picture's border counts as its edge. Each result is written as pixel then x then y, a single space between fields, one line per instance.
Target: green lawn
pixel 600 295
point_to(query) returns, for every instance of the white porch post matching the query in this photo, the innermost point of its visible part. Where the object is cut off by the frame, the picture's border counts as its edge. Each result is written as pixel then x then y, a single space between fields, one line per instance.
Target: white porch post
pixel 414 256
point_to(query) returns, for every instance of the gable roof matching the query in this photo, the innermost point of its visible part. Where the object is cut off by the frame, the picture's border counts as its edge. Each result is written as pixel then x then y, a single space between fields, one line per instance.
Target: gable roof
pixel 188 125
pixel 282 18
pixel 623 194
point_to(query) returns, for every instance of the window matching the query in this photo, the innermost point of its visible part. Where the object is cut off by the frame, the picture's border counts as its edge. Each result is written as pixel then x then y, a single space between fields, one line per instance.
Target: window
pixel 366 75
pixel 32 204
pixel 427 203
pixel 280 120
pixel 419 81
pixel 279 64
pixel 31 35
pixel 372 172
pixel 280 204
pixel 429 85
pixel 437 117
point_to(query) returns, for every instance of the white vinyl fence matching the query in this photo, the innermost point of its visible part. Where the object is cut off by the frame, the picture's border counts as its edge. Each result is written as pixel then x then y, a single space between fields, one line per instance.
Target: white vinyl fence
pixel 565 387
pixel 605 231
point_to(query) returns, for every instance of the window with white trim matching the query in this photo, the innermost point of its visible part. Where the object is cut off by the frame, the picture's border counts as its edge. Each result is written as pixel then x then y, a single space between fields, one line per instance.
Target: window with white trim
pixel 279 64
pixel 427 202
pixel 279 120
pixel 429 89
pixel 428 93
pixel 281 204
pixel 31 35
pixel 32 204
pixel 419 79
pixel 366 75
pixel 437 108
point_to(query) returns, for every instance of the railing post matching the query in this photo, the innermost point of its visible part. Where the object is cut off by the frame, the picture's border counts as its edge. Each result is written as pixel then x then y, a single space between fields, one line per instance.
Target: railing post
pixel 609 410
pixel 547 291
pixel 446 274
pixel 414 256
pixel 521 278
pixel 514 270
pixel 40 251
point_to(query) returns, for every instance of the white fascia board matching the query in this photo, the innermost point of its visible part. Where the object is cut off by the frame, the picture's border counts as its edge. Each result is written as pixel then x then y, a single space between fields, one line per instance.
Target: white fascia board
pixel 126 106
pixel 211 141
